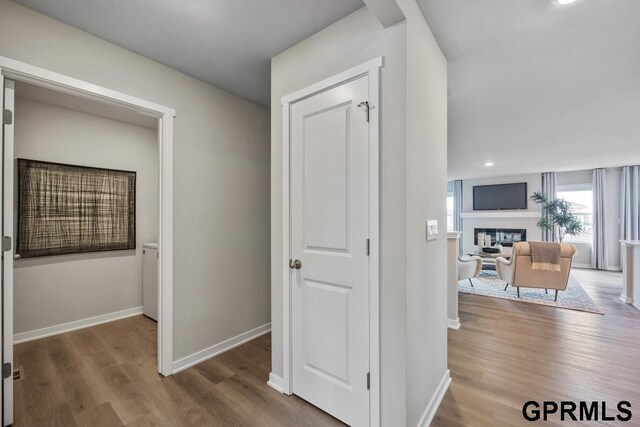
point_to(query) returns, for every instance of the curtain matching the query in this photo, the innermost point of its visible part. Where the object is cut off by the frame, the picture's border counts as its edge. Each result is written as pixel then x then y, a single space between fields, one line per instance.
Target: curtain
pixel 549 189
pixel 599 251
pixel 457 209
pixel 630 203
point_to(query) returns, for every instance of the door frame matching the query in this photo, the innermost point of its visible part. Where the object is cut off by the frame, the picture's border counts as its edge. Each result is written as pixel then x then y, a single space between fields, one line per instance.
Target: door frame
pixel 20 71
pixel 372 70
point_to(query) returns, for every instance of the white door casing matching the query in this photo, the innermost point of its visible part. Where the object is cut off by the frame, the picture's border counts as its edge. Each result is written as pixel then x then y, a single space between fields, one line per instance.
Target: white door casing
pixel 21 71
pixel 331 323
pixel 372 70
pixel 7 255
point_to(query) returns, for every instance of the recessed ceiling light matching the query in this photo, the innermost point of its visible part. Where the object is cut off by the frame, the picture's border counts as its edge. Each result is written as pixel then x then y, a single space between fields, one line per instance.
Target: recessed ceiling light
pixel 488 164
pixel 564 2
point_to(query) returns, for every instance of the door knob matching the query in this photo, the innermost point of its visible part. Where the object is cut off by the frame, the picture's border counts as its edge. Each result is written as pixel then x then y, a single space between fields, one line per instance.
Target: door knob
pixel 297 264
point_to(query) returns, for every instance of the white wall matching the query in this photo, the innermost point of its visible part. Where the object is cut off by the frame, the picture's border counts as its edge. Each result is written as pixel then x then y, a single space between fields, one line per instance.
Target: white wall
pixel 534 184
pixel 345 44
pixel 426 175
pixel 221 174
pixel 53 290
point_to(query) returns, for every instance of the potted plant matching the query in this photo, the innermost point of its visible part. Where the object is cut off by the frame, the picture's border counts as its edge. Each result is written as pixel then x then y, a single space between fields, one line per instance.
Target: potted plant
pixel 557 217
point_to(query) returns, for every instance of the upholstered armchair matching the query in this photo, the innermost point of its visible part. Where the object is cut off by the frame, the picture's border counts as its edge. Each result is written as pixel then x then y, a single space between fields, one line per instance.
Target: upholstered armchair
pixel 518 273
pixel 469 268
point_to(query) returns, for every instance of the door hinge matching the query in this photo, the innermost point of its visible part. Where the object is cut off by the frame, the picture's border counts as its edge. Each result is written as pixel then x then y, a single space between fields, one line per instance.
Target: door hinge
pixel 365 104
pixel 368 247
pixel 368 380
pixel 6 243
pixel 7 116
pixel 6 370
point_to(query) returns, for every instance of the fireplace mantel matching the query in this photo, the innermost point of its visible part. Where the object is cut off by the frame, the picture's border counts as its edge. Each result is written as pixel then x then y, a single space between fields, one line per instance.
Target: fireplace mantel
pixel 500 214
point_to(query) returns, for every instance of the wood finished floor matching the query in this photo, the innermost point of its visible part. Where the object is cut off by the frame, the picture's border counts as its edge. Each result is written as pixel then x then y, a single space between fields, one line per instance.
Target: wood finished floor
pixel 506 353
pixel 106 376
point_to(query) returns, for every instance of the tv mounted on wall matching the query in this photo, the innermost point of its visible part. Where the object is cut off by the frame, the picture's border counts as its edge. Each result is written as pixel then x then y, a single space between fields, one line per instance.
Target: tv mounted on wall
pixel 500 197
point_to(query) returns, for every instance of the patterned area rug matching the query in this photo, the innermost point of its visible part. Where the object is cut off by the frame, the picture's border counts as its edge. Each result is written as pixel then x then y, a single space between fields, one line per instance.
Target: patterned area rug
pixel 488 284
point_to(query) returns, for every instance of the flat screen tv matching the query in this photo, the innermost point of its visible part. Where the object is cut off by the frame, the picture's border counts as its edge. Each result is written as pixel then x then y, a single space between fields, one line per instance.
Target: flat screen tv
pixel 500 197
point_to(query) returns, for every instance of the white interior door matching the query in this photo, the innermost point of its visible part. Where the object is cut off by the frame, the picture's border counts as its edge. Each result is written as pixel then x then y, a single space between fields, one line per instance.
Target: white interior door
pixel 6 184
pixel 329 232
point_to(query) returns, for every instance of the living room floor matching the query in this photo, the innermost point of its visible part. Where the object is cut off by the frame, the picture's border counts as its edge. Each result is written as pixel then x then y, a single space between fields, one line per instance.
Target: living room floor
pixel 507 353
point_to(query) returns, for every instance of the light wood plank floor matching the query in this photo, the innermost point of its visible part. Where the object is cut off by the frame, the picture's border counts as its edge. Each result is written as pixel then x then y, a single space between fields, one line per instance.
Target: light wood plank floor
pixel 508 352
pixel 505 354
pixel 106 376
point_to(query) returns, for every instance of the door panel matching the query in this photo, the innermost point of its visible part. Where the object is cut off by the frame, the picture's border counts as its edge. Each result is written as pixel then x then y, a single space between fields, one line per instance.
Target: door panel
pixel 327 310
pixel 326 149
pixel 329 231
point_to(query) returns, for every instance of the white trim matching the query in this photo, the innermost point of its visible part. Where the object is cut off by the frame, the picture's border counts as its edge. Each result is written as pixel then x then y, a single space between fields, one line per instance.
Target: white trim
pixel 431 409
pixel 374 239
pixel 454 235
pixel 7 150
pixel 372 69
pixel 454 323
pixel 214 350
pixel 165 246
pixel 335 80
pixel 626 299
pixel 2 325
pixel 582 266
pixel 39 76
pixel 75 325
pixel 613 269
pixel 276 382
pixel 497 214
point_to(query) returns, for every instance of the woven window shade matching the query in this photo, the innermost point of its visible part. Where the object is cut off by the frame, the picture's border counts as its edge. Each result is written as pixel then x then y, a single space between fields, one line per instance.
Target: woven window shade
pixel 66 209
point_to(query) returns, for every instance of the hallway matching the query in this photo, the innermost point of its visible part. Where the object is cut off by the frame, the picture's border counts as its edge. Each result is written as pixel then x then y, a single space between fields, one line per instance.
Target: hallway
pixel 106 376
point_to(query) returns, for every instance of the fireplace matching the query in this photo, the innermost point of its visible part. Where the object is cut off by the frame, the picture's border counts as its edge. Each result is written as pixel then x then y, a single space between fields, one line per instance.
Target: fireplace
pixel 505 236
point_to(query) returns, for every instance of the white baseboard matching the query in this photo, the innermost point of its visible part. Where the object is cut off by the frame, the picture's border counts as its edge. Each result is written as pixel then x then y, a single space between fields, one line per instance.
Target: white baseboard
pixel 214 350
pixel 434 403
pixel 626 299
pixel 614 268
pixel 75 325
pixel 276 382
pixel 454 324
pixel 582 266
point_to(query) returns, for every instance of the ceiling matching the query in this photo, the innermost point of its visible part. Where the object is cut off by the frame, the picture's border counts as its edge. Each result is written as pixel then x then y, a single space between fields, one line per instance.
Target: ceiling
pixel 228 43
pixel 536 87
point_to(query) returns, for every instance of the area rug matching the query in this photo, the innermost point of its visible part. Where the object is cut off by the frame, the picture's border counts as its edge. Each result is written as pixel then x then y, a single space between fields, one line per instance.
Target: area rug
pixel 488 284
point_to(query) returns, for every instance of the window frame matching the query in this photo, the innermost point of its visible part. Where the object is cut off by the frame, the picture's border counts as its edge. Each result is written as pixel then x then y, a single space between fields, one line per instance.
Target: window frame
pixel 574 188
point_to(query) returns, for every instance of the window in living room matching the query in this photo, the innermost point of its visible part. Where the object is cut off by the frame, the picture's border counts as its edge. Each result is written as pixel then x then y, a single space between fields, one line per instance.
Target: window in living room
pixel 581 198
pixel 450 210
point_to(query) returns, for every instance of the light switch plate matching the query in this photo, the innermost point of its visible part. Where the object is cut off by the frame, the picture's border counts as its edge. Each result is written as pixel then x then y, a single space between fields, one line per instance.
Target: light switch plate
pixel 432 230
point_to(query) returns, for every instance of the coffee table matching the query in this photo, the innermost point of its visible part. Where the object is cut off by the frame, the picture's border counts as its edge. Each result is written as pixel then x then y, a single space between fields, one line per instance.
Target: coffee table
pixel 489 259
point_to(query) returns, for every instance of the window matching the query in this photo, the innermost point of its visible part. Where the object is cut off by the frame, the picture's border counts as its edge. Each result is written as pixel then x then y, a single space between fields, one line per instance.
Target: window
pixel 581 198
pixel 450 211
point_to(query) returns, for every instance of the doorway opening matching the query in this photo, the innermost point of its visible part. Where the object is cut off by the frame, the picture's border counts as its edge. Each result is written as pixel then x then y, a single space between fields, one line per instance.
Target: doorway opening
pixel 70 123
